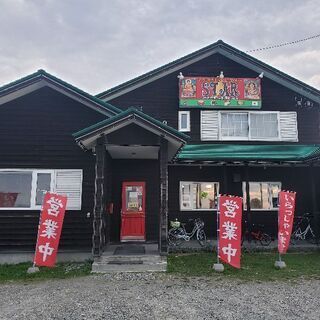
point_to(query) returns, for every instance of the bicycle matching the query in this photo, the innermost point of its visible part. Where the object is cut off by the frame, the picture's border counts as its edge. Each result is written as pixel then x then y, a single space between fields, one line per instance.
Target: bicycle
pixel 178 232
pixel 256 234
pixel 300 234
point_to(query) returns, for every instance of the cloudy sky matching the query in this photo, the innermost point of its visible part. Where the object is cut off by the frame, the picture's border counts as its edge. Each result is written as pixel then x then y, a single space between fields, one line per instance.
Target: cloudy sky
pixel 97 44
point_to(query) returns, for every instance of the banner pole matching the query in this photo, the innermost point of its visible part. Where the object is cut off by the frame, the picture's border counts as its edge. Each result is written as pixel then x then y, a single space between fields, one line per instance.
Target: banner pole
pixel 34 257
pixel 35 269
pixel 218 229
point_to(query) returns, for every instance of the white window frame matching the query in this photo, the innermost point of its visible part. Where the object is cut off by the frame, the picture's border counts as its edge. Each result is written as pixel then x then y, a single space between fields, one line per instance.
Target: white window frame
pixel 278 138
pixel 243 138
pixel 249 137
pixel 34 186
pixel 187 113
pixel 33 195
pixel 191 209
pixel 244 194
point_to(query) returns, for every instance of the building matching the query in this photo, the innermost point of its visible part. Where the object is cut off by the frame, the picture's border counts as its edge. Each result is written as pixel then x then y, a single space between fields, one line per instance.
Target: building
pixel 158 147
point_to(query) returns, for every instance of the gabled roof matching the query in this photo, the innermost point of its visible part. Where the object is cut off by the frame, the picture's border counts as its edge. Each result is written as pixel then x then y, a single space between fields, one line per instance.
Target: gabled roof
pixel 87 137
pixel 130 112
pixel 42 78
pixel 225 50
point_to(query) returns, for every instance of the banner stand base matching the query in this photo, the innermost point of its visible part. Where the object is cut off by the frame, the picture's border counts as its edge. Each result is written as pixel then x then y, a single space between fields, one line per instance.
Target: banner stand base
pixel 33 270
pixel 280 264
pixel 218 267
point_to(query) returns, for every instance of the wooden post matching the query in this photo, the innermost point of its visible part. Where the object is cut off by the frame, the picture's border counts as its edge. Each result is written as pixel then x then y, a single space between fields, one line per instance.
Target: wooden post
pixel 249 218
pixel 163 221
pixel 225 180
pixel 97 237
pixel 108 196
pixel 315 209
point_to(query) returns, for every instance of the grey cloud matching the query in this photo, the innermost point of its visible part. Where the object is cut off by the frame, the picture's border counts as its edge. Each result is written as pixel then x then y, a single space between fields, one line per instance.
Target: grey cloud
pixel 98 44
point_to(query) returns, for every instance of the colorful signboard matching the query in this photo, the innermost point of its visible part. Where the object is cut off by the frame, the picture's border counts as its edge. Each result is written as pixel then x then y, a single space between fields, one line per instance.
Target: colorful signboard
pixel 287 203
pixel 204 92
pixel 230 222
pixel 51 221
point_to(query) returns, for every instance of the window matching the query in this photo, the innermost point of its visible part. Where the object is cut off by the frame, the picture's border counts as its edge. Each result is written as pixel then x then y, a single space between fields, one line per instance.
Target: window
pixel 134 198
pixel 198 195
pixel 263 195
pixel 184 121
pixel 264 125
pixel 249 125
pixel 24 189
pixel 234 125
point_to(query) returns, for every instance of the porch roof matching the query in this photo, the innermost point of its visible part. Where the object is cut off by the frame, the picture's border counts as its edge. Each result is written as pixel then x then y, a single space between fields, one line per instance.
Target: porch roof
pixel 236 152
pixel 125 114
pixel 87 137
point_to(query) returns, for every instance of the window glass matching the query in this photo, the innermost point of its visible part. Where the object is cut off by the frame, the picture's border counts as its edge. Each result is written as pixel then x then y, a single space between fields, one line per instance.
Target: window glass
pixel 263 195
pixel 185 196
pixel 134 198
pixel 234 124
pixel 184 121
pixel 275 188
pixel 15 189
pixel 263 125
pixel 43 185
pixel 198 195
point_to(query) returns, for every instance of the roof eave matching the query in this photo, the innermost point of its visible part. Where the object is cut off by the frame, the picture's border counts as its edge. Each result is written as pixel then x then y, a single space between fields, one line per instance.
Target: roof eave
pixel 226 50
pixel 97 130
pixel 32 79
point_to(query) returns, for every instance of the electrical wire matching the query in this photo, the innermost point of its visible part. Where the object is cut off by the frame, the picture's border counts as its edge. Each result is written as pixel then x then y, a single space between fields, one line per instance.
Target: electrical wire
pixel 284 44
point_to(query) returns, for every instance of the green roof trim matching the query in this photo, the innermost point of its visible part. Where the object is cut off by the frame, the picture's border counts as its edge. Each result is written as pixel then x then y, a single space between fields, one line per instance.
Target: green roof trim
pixel 124 114
pixel 42 74
pixel 235 152
pixel 216 45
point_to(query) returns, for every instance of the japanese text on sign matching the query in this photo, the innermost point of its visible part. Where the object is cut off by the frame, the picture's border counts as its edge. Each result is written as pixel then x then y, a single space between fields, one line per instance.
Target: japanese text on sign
pixel 285 219
pixel 230 208
pixel 51 221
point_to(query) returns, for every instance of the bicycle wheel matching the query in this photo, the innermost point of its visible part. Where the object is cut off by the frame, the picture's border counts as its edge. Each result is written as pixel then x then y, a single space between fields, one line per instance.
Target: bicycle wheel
pixel 265 239
pixel 312 238
pixel 174 237
pixel 201 237
pixel 296 236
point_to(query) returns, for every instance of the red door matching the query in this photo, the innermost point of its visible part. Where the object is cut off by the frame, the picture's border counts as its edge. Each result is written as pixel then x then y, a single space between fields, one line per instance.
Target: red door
pixel 133 211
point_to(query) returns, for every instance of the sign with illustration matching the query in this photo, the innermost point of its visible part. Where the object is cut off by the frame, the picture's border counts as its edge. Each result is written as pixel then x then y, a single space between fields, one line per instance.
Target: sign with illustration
pixel 217 92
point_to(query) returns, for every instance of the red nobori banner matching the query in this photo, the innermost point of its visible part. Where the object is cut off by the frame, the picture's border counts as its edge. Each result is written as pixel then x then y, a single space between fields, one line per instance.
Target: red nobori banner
pixel 287 202
pixel 230 208
pixel 51 221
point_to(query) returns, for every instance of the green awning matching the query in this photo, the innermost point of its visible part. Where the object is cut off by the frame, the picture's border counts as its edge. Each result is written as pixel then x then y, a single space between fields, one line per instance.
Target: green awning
pixel 240 152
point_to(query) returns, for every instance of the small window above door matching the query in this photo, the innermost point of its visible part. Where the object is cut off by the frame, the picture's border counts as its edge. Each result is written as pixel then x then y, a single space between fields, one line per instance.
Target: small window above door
pixel 184 121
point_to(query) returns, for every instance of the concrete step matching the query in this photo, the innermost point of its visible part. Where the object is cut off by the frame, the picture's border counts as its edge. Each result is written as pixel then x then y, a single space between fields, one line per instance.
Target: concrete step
pixel 130 263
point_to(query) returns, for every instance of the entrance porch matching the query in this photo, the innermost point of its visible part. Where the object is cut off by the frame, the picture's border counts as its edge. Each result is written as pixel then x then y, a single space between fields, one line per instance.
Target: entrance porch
pixel 131 183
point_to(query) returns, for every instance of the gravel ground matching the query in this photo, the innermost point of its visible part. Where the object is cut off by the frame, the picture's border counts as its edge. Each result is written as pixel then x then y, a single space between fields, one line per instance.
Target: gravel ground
pixel 150 296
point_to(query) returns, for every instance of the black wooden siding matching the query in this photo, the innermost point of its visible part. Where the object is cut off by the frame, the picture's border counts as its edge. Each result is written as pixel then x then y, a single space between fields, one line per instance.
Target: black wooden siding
pixel 35 132
pixel 294 178
pixel 160 98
